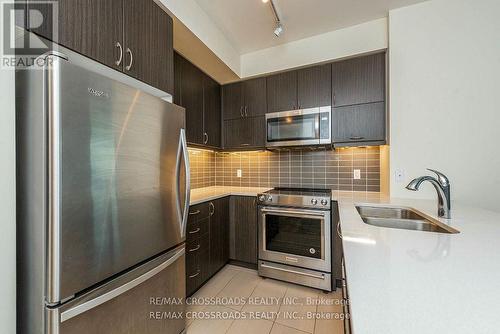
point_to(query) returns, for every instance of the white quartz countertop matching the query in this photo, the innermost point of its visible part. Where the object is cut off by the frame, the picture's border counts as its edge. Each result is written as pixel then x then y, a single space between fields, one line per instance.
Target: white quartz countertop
pixel 201 195
pixel 403 281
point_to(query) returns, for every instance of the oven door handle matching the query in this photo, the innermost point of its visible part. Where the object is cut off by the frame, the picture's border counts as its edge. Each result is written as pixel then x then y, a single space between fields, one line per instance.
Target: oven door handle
pixel 297 213
pixel 322 276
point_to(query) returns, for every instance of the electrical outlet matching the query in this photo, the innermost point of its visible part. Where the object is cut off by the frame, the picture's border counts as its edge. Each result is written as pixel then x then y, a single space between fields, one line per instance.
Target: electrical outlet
pixel 357 174
pixel 399 175
pixel 238 173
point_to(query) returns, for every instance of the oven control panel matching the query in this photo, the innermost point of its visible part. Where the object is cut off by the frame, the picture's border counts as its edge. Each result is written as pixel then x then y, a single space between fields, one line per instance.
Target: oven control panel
pixel 294 201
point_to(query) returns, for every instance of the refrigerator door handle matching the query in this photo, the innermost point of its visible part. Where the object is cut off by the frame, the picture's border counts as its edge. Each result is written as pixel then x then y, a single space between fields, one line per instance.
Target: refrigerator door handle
pixel 121 289
pixel 182 151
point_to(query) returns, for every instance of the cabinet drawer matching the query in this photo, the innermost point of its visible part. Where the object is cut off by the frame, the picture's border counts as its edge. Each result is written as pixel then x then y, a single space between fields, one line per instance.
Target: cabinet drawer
pixel 197 229
pixel 197 261
pixel 197 212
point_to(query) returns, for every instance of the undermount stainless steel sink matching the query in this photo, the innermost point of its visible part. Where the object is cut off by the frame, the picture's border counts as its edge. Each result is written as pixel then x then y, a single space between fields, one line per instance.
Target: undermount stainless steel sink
pixel 401 218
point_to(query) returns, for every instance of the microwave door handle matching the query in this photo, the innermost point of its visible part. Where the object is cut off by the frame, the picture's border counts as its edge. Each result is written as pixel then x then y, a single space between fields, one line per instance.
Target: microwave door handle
pixel 182 151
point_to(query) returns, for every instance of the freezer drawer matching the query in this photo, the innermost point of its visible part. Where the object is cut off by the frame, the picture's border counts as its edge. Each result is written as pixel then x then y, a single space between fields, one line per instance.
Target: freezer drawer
pixel 141 301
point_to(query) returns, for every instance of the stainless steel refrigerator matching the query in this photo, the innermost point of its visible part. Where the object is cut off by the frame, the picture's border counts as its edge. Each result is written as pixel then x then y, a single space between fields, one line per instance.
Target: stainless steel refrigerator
pixel 103 194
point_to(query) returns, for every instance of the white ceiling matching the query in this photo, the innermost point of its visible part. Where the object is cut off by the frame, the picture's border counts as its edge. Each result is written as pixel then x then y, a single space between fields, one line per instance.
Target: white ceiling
pixel 249 24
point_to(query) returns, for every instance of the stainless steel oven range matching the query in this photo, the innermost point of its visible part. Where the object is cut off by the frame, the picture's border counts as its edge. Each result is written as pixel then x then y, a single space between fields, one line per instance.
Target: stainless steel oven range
pixel 295 236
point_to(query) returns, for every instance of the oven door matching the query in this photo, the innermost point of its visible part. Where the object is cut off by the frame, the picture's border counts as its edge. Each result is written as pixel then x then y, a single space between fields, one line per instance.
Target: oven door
pixel 299 127
pixel 295 237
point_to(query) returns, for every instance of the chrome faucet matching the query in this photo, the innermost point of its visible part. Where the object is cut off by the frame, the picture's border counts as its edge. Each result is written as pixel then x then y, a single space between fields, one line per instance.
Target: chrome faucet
pixel 442 185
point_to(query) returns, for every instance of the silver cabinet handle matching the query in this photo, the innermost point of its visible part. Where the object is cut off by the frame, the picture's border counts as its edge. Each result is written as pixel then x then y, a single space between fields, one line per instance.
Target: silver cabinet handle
pixel 212 209
pixel 114 292
pixel 246 111
pixel 338 230
pixel 194 249
pixel 129 66
pixel 245 145
pixel 194 231
pixel 195 212
pixel 193 276
pixel 206 138
pixel 356 138
pixel 241 111
pixel 119 61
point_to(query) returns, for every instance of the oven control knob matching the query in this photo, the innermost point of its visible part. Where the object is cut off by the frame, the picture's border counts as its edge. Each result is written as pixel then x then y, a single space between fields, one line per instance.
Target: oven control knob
pixel 262 198
pixel 270 198
pixel 314 201
pixel 324 202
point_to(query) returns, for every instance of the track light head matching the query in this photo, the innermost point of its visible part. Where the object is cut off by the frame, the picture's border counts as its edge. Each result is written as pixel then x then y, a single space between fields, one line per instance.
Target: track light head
pixel 279 29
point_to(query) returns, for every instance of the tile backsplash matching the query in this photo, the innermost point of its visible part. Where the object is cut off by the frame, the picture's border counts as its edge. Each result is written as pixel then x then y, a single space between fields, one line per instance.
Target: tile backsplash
pixel 288 168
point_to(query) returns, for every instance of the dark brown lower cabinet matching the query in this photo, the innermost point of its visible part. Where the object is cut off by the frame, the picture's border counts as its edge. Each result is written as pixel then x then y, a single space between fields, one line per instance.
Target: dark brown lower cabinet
pixel 219 234
pixel 243 229
pixel 207 242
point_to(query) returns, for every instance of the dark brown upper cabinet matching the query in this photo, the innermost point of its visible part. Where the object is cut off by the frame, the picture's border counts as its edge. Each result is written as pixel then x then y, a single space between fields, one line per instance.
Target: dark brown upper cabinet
pixel 200 95
pixel 254 97
pixel 245 133
pixel 138 16
pixel 133 36
pixel 162 51
pixel 282 92
pixel 232 101
pixel 301 89
pixel 314 87
pixel 211 112
pixel 360 123
pixel 359 80
pixel 191 98
pixel 244 99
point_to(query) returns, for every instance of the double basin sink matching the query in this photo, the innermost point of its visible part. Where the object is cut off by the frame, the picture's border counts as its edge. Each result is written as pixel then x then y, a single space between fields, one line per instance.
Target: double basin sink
pixel 401 218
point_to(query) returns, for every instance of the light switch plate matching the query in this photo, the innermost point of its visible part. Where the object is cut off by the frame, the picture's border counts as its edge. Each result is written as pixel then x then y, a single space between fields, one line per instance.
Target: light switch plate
pixel 357 174
pixel 238 173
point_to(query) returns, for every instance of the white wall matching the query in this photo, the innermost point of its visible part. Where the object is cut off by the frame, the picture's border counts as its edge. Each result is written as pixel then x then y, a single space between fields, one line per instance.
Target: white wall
pixel 358 39
pixel 7 203
pixel 444 97
pixel 193 17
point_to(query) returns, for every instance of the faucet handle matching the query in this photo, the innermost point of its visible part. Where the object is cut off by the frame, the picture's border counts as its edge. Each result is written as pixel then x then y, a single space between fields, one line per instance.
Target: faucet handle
pixel 442 179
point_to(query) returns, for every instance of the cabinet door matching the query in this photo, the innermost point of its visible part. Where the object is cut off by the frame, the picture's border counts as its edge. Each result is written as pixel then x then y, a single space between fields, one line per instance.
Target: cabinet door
pixel 219 234
pixel 138 18
pixel 359 123
pixel 212 112
pixel 232 101
pixel 238 133
pixel 243 229
pixel 282 92
pixel 178 60
pixel 258 130
pixel 359 80
pixel 161 52
pixel 197 261
pixel 255 101
pixel 89 27
pixel 314 86
pixel 192 100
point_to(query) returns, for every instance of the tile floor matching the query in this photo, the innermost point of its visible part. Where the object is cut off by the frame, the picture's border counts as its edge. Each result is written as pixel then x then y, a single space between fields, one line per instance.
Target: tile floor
pixel 236 300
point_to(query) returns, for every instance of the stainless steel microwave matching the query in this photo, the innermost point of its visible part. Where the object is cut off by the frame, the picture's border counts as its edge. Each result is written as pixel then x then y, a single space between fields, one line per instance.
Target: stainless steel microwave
pixel 305 127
